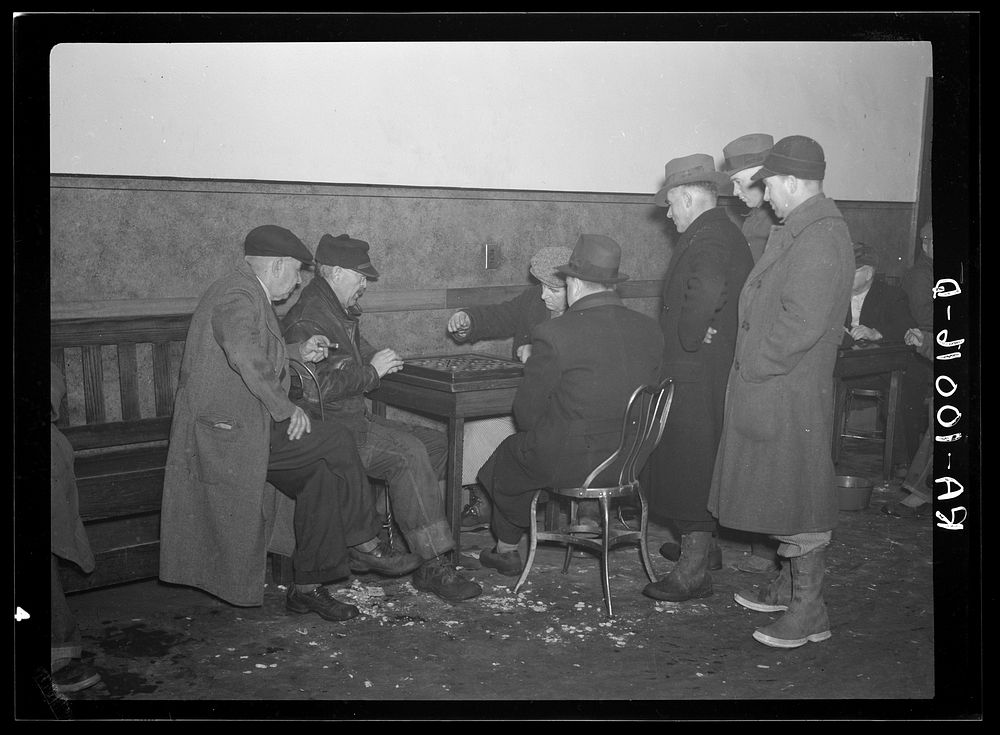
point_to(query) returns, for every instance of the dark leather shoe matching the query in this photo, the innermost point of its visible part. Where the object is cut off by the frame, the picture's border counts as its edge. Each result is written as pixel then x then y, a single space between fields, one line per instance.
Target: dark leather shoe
pixel 382 560
pixel 508 564
pixel 443 580
pixel 672 551
pixel 74 677
pixel 320 601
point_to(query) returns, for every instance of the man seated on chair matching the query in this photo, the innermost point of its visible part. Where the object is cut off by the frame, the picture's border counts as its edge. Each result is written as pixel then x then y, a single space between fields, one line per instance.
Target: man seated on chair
pixel 582 370
pixel 235 430
pixel 880 314
pixel 410 458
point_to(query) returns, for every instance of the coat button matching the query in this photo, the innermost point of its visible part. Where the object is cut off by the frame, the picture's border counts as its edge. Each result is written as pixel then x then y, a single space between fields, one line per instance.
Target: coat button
pixel 745 324
pixel 736 364
pixel 758 284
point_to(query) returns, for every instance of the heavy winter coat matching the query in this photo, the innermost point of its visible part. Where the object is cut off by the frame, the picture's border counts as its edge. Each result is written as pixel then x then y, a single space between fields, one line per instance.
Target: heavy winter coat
pixel 756 228
pixel 515 318
pixel 774 472
pixel 218 513
pixel 569 406
pixel 701 290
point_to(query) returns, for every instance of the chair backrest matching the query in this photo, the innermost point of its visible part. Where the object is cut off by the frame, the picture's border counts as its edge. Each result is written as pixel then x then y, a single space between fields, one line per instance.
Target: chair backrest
pixel 299 369
pixel 642 428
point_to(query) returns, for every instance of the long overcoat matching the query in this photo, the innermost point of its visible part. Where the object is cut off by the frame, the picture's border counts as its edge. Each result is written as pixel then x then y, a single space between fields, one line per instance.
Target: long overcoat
pixel 774 472
pixel 569 406
pixel 218 513
pixel 700 290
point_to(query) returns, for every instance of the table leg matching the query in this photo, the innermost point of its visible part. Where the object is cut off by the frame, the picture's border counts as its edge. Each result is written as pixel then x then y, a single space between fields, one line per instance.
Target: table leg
pixel 890 425
pixel 453 481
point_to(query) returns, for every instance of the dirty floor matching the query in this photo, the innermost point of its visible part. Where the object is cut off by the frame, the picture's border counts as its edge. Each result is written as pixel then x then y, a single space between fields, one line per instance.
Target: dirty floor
pixel 166 651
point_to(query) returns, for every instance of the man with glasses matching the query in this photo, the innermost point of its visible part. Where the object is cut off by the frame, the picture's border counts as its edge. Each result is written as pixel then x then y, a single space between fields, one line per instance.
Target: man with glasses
pixel 410 458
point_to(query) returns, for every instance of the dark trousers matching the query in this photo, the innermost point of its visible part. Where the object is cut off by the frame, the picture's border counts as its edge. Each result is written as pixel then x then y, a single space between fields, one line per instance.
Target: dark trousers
pixel 334 509
pixel 510 482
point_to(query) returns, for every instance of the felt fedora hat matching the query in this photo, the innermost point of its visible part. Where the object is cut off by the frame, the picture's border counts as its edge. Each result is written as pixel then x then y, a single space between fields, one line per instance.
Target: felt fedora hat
pixel 595 258
pixel 347 252
pixel 796 156
pixel 693 169
pixel 745 152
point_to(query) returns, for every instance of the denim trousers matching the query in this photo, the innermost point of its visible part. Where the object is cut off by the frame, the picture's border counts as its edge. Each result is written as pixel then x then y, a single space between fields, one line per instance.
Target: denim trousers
pixel 412 460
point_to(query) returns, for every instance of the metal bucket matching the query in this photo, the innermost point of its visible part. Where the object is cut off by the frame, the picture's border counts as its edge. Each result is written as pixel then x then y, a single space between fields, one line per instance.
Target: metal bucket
pixel 853 492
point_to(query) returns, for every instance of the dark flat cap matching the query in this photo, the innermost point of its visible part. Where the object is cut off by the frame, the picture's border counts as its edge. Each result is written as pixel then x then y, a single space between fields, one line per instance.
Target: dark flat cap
pixel 276 242
pixel 796 156
pixel 347 252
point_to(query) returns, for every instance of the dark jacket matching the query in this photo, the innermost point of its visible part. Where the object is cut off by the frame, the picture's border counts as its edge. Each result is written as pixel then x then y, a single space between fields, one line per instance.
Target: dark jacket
pixel 515 318
pixel 774 472
pixel 756 228
pixel 918 285
pixel 569 406
pixel 346 374
pixel 884 309
pixel 701 289
pixel 218 514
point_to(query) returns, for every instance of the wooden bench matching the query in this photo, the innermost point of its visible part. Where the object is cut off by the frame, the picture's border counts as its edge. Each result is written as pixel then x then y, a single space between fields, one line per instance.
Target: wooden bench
pixel 121 374
pixel 121 377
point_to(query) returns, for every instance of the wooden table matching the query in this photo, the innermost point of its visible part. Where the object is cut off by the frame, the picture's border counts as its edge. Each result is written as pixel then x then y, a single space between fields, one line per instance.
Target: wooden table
pixel 866 361
pixel 454 402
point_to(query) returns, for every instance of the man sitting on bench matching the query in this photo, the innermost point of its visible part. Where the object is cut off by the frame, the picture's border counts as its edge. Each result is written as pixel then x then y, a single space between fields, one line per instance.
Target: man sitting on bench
pixel 234 428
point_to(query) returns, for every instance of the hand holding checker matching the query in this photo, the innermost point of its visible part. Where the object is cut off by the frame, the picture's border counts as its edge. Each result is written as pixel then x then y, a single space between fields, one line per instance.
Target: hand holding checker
pixel 459 324
pixel 386 361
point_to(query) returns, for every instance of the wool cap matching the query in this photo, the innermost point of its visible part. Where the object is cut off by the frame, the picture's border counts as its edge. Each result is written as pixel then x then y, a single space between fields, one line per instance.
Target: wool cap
pixel 795 155
pixel 275 242
pixel 347 252
pixel 544 264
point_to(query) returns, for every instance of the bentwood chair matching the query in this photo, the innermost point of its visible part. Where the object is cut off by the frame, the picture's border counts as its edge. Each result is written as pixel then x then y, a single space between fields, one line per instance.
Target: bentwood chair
pixel 615 477
pixel 299 370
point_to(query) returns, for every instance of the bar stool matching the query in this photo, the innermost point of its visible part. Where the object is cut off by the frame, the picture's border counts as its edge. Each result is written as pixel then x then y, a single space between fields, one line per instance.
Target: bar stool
pixel 878 433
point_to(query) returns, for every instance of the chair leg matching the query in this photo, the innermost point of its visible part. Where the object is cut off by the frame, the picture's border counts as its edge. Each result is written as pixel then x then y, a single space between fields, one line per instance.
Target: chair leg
pixel 647 562
pixel 532 543
pixel 570 521
pixel 605 540
pixel 387 525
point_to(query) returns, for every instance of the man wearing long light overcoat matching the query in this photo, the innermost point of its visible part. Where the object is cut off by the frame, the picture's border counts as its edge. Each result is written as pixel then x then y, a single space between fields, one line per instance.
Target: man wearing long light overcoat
pixel 235 434
pixel 774 471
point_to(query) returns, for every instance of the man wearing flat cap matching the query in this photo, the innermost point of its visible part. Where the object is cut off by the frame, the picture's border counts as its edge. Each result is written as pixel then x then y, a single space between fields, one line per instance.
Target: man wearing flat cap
pixel 709 263
pixel 512 319
pixel 569 407
pixel 410 458
pixel 774 471
pixel 742 158
pixel 235 434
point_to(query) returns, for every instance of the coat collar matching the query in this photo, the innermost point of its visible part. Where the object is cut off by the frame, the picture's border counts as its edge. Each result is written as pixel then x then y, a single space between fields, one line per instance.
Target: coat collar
pixel 322 290
pixel 709 216
pixel 601 298
pixel 812 209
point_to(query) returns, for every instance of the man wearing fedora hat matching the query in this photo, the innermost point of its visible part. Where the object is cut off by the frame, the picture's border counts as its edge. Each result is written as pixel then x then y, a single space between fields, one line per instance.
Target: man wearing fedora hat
pixel 235 434
pixel 742 158
pixel 709 264
pixel 774 471
pixel 582 370
pixel 411 459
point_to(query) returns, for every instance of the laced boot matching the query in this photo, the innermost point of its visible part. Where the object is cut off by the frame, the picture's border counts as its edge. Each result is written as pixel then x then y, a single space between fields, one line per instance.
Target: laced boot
pixel 806 620
pixel 772 598
pixel 689 579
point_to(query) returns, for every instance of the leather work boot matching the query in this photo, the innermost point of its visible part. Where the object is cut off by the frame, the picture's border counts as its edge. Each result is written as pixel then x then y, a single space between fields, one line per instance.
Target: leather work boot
pixel 672 552
pixel 440 578
pixel 476 514
pixel 508 564
pixel 772 598
pixel 320 601
pixel 382 560
pixel 689 579
pixel 806 620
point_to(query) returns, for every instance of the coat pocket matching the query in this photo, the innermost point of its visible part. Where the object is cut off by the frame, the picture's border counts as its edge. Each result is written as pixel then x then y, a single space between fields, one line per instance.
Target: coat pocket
pixel 757 408
pixel 217 441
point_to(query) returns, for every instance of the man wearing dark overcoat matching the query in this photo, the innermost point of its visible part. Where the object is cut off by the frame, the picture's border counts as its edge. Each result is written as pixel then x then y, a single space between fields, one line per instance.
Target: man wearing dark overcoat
pixel 709 264
pixel 583 368
pixel 774 471
pixel 235 433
